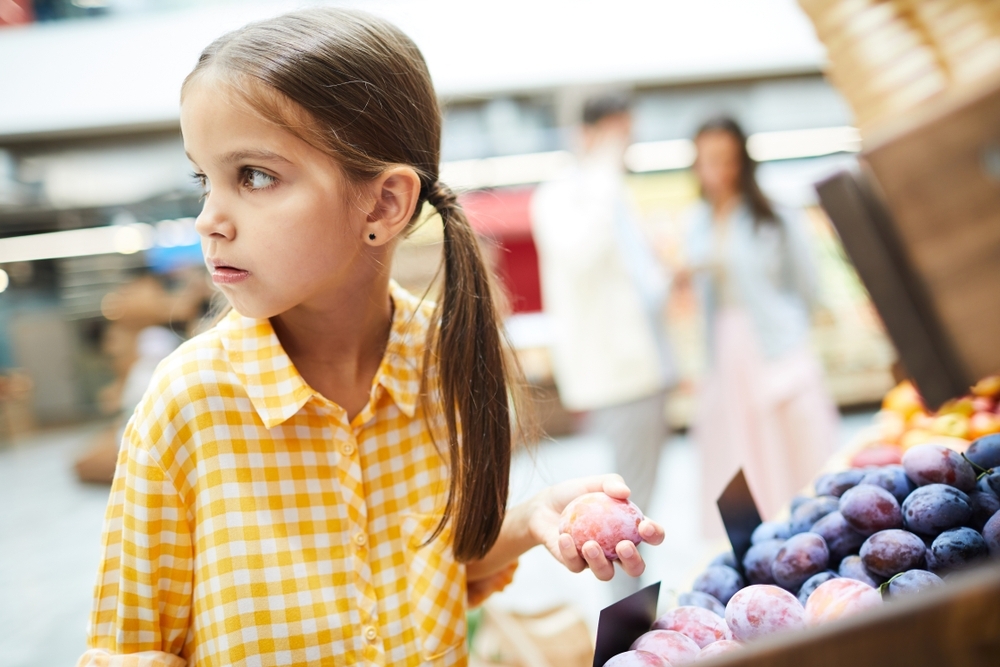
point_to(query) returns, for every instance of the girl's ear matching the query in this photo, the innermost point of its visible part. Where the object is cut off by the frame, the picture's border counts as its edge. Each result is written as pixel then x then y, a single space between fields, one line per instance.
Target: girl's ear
pixel 395 194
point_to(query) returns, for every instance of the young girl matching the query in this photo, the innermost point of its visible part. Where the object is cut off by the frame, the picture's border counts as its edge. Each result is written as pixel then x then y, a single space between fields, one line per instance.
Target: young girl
pixel 322 477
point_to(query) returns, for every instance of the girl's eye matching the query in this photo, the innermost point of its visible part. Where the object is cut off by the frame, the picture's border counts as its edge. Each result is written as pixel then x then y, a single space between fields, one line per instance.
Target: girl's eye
pixel 255 179
pixel 202 180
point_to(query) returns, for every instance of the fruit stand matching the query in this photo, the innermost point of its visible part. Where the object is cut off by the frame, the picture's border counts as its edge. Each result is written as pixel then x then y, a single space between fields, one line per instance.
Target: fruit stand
pixel 893 557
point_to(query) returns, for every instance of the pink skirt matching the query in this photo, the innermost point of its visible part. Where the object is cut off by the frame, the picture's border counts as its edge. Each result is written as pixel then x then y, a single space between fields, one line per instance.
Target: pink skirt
pixel 773 417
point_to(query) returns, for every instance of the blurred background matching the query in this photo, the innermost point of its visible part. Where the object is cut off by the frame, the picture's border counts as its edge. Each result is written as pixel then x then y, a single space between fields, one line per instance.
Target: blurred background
pixel 101 273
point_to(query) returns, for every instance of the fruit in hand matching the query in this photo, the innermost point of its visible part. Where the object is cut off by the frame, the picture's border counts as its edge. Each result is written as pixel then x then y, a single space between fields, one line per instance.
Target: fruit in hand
pixel 838 598
pixel 703 600
pixel 799 558
pixel 937 464
pixel 719 581
pixel 933 509
pixel 603 519
pixel 869 509
pixel 636 659
pixel 673 647
pixel 759 611
pixel 892 551
pixel 699 625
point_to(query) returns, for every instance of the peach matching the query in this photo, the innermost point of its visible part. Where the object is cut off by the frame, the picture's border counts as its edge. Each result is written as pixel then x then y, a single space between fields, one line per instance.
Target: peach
pixel 838 598
pixel 672 646
pixel 983 423
pixel 603 519
pixel 637 659
pixel 697 623
pixel 762 610
pixel 718 648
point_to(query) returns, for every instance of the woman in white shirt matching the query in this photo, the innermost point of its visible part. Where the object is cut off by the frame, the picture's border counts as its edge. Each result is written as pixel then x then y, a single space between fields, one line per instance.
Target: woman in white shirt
pixel 763 405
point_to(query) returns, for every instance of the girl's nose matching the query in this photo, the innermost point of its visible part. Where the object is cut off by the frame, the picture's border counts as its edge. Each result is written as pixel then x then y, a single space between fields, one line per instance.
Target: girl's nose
pixel 213 221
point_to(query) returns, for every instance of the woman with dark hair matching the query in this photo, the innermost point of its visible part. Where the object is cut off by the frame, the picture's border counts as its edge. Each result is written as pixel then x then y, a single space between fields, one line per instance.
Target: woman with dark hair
pixel 763 405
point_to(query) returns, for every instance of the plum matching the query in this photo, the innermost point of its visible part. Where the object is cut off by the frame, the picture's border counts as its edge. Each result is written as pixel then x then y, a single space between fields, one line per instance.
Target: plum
pixel 991 533
pixel 759 559
pixel 892 551
pixel 869 509
pixel 984 505
pixel 835 483
pixel 770 530
pixel 891 478
pixel 799 558
pixel 719 581
pixel 985 451
pixel 703 600
pixel 637 659
pixel 812 583
pixel 934 508
pixel 912 581
pixel 671 646
pixel 718 648
pixel 603 519
pixel 725 558
pixel 810 512
pixel 700 625
pixel 797 502
pixel 990 481
pixel 840 538
pixel 838 598
pixel 937 464
pixel 852 567
pixel 759 611
pixel 958 548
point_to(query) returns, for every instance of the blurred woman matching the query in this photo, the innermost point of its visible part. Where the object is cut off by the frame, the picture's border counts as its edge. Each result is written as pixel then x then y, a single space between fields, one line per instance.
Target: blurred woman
pixel 763 405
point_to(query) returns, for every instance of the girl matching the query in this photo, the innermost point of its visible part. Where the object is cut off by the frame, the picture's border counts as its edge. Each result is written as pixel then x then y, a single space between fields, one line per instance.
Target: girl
pixel 322 477
pixel 764 405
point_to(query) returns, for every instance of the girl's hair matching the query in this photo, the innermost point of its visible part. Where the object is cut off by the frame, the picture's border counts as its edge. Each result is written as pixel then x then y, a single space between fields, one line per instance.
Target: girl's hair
pixel 759 205
pixel 356 87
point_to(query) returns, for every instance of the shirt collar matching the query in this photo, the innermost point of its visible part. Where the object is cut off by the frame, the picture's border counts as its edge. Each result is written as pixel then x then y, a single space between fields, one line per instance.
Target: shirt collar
pixel 277 391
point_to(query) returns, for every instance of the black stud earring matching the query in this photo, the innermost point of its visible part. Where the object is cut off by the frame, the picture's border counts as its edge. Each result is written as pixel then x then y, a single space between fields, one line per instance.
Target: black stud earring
pixel 371 237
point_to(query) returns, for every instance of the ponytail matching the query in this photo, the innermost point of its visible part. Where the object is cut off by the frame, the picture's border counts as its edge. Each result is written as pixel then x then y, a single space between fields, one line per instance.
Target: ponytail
pixel 474 387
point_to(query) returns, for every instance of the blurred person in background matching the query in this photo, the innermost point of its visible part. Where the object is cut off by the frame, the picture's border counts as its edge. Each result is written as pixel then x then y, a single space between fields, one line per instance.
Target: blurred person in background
pixel 604 290
pixel 763 405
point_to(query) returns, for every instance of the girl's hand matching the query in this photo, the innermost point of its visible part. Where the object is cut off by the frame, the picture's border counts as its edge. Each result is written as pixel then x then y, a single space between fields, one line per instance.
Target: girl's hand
pixel 544 527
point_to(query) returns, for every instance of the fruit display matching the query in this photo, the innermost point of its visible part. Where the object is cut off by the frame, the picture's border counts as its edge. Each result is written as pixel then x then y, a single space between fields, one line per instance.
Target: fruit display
pixel 868 536
pixel 600 518
pixel 905 422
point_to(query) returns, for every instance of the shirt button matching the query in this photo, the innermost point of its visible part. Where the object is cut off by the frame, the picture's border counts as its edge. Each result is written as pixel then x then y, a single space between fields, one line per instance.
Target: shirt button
pixel 347 449
pixel 360 539
pixel 371 634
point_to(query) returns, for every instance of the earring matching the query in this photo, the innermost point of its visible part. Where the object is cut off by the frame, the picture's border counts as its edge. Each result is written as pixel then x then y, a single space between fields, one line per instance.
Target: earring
pixel 371 237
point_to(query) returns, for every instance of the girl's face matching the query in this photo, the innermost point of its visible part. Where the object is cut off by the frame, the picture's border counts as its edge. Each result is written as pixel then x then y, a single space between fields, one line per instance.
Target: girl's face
pixel 718 166
pixel 280 226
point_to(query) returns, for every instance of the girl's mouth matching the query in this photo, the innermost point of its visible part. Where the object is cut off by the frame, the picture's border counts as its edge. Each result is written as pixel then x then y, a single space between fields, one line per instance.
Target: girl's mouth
pixel 228 275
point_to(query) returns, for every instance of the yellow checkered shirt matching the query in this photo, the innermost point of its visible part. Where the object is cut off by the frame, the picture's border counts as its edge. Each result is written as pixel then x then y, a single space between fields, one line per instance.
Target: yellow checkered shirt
pixel 251 524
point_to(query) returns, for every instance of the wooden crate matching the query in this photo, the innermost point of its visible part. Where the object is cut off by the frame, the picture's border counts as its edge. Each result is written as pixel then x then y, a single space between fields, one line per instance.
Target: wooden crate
pixel 921 222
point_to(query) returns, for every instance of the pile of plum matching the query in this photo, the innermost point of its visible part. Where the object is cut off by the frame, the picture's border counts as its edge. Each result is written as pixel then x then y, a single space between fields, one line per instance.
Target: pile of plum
pixel 868 535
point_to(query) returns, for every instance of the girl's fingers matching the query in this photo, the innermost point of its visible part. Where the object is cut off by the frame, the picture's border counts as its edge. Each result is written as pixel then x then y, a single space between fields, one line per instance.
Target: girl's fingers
pixel 602 568
pixel 570 558
pixel 629 557
pixel 615 486
pixel 651 532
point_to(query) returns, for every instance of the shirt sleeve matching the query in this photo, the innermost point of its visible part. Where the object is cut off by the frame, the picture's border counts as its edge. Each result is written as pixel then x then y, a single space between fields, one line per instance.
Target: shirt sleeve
pixel 800 260
pixel 142 599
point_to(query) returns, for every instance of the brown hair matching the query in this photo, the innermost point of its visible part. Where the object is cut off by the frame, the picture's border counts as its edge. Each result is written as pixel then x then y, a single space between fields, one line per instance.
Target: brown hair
pixel 368 101
pixel 759 205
